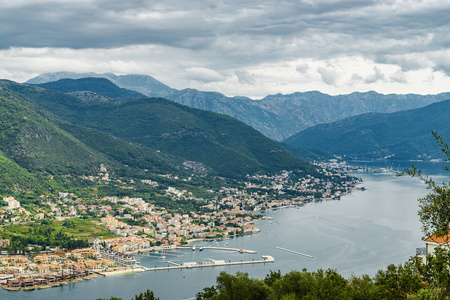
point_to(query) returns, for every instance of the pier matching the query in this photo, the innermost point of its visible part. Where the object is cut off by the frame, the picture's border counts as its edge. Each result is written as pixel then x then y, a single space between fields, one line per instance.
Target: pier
pixel 241 250
pixel 295 252
pixel 211 263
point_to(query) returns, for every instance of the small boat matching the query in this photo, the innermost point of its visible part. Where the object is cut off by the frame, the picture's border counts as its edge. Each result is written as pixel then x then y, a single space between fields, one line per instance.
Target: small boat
pixel 193 248
pixel 201 248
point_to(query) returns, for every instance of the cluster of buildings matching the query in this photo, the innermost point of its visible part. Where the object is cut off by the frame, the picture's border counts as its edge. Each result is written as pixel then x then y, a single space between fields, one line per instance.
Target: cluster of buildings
pixel 78 259
pixel 162 227
pixel 13 212
pixel 31 282
pixel 232 211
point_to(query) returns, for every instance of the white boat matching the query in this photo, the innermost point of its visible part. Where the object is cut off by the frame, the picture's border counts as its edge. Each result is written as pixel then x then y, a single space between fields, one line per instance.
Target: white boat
pixel 193 248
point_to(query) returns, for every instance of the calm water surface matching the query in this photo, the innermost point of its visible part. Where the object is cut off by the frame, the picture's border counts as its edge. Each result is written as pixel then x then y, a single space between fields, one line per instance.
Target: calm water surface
pixel 359 234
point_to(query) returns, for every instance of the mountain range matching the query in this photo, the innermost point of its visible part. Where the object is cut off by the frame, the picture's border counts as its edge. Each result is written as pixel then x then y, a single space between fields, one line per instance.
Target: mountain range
pixel 276 116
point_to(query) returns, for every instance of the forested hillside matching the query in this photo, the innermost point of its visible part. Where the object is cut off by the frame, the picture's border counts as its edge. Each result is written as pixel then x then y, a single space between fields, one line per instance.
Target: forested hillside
pixel 222 144
pixel 400 135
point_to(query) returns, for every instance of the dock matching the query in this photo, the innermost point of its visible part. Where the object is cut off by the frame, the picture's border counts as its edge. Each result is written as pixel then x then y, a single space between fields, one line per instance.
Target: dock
pixel 241 250
pixel 211 263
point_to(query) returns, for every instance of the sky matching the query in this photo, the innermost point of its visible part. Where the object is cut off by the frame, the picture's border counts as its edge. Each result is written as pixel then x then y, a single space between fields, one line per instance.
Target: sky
pixel 249 48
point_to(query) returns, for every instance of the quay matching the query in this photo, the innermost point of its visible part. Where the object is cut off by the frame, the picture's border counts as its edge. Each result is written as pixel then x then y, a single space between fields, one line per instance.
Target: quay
pixel 241 250
pixel 211 263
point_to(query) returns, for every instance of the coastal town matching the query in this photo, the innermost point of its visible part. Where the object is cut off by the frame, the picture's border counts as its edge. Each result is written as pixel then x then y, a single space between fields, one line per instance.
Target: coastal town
pixel 136 225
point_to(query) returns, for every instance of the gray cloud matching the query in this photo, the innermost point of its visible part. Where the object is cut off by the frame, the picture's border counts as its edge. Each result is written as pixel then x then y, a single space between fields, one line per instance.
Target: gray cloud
pixel 399 77
pixel 375 76
pixel 244 77
pixel 116 23
pixel 356 78
pixel 302 68
pixel 328 75
pixel 225 36
pixel 204 74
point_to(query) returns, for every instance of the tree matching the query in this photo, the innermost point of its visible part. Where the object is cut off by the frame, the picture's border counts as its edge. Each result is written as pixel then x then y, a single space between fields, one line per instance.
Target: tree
pixel 434 208
pixel 207 293
pixel 238 287
pixel 399 282
pixel 436 272
pixel 36 250
pixel 148 295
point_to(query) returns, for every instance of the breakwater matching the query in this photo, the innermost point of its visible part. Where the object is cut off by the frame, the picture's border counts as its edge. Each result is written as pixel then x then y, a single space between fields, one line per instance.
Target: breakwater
pixel 240 250
pixel 210 263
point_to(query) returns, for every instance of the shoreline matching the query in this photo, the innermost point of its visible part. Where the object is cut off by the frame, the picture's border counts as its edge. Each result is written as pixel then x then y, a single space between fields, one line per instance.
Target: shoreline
pixel 189 242
pixel 51 284
pixel 255 221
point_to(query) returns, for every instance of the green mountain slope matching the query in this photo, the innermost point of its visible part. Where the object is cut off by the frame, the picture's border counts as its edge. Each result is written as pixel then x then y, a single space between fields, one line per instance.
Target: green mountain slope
pixel 29 137
pixel 14 178
pixel 227 146
pixel 400 135
pixel 35 147
pixel 308 153
pixel 123 152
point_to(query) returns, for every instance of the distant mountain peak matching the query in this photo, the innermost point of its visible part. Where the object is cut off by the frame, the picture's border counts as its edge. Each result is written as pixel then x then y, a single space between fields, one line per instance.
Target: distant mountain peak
pixel 144 84
pixel 101 86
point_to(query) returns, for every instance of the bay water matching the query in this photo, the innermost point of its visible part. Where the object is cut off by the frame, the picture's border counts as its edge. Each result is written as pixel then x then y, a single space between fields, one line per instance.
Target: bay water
pixel 358 234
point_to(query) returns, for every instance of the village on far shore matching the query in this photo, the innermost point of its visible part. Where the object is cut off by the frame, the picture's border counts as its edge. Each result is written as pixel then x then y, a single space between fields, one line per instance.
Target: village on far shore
pixel 136 225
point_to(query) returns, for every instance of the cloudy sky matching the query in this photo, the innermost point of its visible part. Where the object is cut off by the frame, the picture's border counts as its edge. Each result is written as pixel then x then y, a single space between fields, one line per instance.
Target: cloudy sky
pixel 251 48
